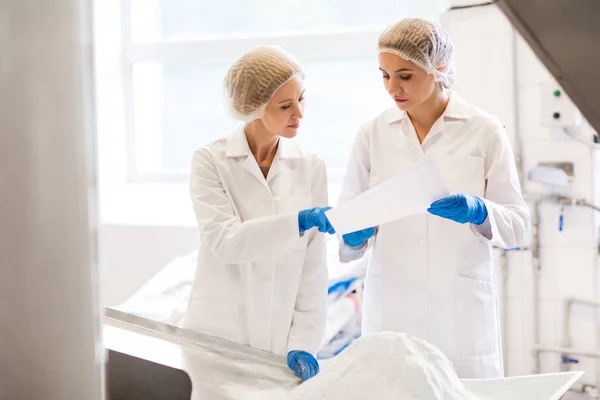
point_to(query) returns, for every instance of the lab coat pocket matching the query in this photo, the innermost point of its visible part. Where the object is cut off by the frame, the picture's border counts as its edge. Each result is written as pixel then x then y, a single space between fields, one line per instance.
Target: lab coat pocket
pixel 300 243
pixel 476 323
pixel 220 320
pixel 295 204
pixel 465 175
pixel 372 316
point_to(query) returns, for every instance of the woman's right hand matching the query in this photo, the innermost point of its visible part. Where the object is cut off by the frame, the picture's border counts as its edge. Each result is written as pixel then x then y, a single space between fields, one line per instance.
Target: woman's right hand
pixel 303 364
pixel 315 217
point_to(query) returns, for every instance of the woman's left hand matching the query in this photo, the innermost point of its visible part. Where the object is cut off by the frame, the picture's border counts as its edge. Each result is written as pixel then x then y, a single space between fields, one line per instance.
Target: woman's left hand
pixel 462 208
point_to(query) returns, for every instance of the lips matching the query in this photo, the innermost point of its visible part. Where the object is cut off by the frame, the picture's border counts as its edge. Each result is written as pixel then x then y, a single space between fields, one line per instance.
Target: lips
pixel 295 126
pixel 400 100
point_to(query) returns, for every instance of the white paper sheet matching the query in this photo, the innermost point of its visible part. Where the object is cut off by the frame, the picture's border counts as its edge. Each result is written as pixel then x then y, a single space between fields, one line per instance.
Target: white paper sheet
pixel 410 192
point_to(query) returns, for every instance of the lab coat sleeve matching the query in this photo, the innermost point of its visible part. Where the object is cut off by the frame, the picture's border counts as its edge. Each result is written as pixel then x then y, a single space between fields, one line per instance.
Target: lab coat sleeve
pixel 310 310
pixel 356 181
pixel 230 239
pixel 508 224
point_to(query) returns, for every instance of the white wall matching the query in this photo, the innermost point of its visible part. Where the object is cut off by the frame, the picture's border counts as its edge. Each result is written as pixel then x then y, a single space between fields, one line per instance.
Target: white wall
pixel 485 52
pixel 130 255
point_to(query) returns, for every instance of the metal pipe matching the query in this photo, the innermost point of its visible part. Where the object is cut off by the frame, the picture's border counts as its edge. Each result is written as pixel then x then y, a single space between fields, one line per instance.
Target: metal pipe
pixel 505 320
pixel 518 144
pixel 589 205
pixel 566 339
pixel 576 300
pixel 49 335
pixel 537 266
pixel 535 258
pixel 566 350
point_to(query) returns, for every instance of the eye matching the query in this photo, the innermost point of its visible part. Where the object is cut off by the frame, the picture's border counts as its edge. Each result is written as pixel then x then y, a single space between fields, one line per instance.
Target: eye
pixel 406 77
pixel 386 76
pixel 286 106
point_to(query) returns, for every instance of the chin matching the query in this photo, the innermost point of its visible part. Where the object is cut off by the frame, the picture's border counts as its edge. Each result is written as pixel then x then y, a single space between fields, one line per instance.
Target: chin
pixel 403 106
pixel 289 133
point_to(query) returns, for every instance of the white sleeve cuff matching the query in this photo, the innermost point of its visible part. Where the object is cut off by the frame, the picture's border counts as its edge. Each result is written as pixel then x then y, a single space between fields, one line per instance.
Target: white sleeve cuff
pixel 486 231
pixel 348 253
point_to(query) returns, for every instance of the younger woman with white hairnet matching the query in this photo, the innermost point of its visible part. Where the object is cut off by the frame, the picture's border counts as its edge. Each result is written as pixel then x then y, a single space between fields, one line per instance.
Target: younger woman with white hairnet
pixel 432 275
pixel 260 200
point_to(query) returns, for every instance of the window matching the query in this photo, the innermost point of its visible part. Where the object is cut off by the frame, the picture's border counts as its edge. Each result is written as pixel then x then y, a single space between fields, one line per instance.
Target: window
pixel 177 52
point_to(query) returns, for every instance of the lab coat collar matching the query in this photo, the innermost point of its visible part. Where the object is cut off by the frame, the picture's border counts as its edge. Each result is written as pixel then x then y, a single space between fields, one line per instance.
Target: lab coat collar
pixel 457 108
pixel 395 115
pixel 237 146
pixel 288 149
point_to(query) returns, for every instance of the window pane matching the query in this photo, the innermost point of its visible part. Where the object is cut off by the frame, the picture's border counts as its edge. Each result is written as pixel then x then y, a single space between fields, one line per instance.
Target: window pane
pixel 341 95
pixel 178 19
pixel 179 107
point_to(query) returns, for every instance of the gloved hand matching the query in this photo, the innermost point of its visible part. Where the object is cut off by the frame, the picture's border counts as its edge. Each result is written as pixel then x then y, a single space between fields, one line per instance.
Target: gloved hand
pixel 355 239
pixel 303 364
pixel 462 208
pixel 308 219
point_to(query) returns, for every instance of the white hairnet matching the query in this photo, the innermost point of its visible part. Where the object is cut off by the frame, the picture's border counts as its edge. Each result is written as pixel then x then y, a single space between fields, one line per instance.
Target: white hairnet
pixel 425 43
pixel 255 77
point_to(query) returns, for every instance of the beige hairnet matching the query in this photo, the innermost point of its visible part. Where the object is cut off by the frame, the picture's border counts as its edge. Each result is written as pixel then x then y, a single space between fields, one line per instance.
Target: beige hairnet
pixel 254 78
pixel 425 43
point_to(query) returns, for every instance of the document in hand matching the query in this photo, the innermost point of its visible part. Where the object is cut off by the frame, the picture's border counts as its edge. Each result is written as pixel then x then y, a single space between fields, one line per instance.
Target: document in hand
pixel 410 192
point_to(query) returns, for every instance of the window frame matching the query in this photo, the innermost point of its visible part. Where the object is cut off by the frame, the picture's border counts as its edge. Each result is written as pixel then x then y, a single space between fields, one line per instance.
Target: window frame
pixel 351 43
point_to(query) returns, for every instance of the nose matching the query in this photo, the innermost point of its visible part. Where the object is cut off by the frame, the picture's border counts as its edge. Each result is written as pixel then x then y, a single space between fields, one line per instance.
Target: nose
pixel 395 85
pixel 299 112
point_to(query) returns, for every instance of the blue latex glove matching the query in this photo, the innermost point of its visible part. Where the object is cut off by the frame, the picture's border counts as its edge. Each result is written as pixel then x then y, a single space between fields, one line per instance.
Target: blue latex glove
pixel 462 208
pixel 355 239
pixel 303 364
pixel 308 219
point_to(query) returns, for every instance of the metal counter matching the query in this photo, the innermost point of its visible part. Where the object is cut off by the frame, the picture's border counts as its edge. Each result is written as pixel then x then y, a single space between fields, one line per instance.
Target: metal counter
pixel 218 369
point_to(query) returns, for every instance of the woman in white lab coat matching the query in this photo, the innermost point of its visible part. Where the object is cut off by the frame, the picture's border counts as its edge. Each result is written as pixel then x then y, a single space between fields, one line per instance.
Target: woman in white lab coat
pixel 262 276
pixel 432 275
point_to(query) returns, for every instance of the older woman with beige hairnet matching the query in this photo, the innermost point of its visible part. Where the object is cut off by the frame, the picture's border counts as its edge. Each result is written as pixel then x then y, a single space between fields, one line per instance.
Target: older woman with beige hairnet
pixel 259 201
pixel 432 275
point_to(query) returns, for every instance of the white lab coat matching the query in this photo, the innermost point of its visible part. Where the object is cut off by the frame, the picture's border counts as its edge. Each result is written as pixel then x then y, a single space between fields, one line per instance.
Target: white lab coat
pixel 431 277
pixel 258 282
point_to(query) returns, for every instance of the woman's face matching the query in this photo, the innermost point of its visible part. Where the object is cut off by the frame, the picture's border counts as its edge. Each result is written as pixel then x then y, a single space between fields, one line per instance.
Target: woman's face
pixel 406 83
pixel 285 110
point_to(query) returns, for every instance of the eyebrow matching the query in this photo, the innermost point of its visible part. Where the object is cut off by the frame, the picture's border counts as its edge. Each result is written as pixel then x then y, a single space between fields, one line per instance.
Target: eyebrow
pixel 398 70
pixel 285 101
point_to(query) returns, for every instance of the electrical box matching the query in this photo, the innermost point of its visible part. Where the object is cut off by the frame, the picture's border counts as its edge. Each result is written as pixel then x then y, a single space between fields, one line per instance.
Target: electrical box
pixel 557 109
